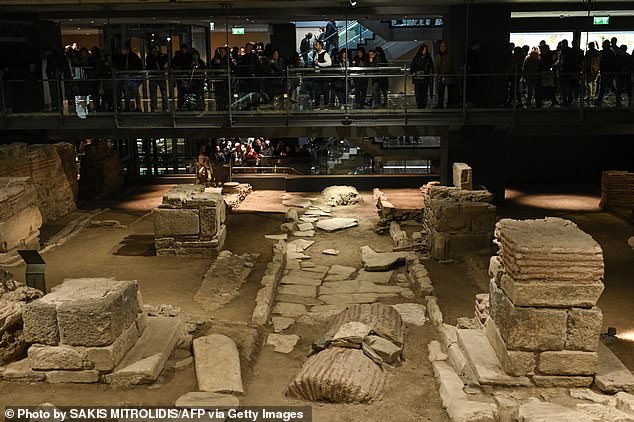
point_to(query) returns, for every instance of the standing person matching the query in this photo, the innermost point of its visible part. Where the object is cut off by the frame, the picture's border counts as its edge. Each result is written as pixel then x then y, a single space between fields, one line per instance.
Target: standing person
pixel 197 81
pixel 607 69
pixel 156 63
pixel 126 62
pixel 332 35
pixel 339 83
pixel 445 69
pixel 375 61
pixel 97 75
pixel 591 63
pixel 181 65
pixel 360 83
pixel 322 60
pixel 422 69
pixel 547 80
pixel 385 81
pixel 51 68
pixel 624 68
pixel 305 46
pixel 248 65
pixel 530 73
pixel 204 171
pixel 221 87
pixel 514 76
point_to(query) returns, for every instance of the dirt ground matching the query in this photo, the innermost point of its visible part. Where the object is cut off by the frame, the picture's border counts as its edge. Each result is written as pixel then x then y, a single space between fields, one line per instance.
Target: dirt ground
pixel 412 391
pixel 124 253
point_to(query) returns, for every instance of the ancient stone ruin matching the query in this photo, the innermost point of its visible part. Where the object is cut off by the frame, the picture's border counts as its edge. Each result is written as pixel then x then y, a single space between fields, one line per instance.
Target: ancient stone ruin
pixel 545 283
pixel 101 174
pixel 458 221
pixel 341 195
pixel 347 366
pixel 93 330
pixel 13 297
pixel 20 217
pixel 190 222
pixel 617 190
pixel 52 170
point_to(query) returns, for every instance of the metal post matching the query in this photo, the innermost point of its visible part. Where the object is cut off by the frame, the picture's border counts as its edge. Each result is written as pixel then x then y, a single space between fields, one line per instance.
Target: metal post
pixel 226 7
pixel 405 91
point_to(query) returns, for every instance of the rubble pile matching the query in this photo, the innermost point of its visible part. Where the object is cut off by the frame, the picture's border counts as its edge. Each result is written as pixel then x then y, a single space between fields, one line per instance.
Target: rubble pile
pixel 348 359
pixel 341 195
pixel 13 297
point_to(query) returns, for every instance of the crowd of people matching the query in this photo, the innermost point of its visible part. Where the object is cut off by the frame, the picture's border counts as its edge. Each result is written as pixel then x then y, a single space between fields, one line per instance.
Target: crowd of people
pixel 568 74
pixel 262 76
pixel 216 155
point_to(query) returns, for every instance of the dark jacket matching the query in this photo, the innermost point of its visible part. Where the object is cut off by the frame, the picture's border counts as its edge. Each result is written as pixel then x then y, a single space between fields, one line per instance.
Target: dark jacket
pixel 421 66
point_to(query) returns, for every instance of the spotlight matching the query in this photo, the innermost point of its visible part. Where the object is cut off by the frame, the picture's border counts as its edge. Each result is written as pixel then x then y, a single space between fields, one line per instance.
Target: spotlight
pixel 610 336
pixel 353 3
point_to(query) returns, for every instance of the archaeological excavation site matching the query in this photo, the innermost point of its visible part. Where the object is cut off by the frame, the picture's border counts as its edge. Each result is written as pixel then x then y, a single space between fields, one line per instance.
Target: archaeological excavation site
pixel 431 303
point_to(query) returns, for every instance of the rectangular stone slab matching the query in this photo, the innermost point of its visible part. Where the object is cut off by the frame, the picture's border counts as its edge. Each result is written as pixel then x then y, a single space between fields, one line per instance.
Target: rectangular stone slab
pixel 550 294
pixel 567 362
pixel 613 375
pixel 145 361
pixel 217 364
pixel 484 361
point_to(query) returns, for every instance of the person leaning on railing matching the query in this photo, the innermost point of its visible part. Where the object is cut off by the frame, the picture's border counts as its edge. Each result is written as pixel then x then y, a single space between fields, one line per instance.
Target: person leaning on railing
pixel 156 63
pixel 422 69
pixel 445 69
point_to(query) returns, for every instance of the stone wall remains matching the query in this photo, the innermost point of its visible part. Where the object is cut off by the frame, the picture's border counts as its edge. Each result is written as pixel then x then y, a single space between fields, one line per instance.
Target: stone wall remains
pixel 617 190
pixel 190 222
pixel 458 222
pixel 101 174
pixel 545 283
pixel 20 217
pixel 52 170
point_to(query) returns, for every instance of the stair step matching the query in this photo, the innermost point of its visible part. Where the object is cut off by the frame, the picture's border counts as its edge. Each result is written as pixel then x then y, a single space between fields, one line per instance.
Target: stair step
pixel 483 360
pixel 145 361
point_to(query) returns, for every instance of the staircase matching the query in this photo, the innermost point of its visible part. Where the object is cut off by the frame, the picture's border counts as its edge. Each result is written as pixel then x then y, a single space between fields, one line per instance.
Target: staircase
pixel 372 34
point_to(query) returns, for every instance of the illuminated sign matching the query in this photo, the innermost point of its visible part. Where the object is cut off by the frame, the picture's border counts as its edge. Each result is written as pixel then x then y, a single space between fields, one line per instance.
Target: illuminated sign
pixel 237 31
pixel 601 20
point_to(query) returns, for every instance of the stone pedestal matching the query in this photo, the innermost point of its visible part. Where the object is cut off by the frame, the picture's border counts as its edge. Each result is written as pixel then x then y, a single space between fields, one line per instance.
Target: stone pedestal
pixel 190 222
pixel 82 329
pixel 458 221
pixel 545 284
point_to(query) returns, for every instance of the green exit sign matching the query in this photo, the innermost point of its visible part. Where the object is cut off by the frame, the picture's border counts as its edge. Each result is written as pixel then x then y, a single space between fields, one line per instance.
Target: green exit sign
pixel 237 31
pixel 601 20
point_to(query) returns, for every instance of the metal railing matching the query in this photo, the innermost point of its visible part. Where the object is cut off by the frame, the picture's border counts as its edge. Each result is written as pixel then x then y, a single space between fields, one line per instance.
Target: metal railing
pixel 389 91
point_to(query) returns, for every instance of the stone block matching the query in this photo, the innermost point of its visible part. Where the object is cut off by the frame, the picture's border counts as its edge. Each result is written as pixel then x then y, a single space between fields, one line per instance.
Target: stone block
pixel 462 176
pixel 176 222
pixel 46 358
pixel 550 294
pixel 568 363
pixel 20 371
pixel 76 377
pixel 537 411
pixel 97 313
pixel 197 399
pixel 106 358
pixel 527 329
pixel 551 381
pixel 209 222
pixel 516 363
pixel 583 329
pixel 217 364
pixel 40 323
pixel 625 402
pixel 16 230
